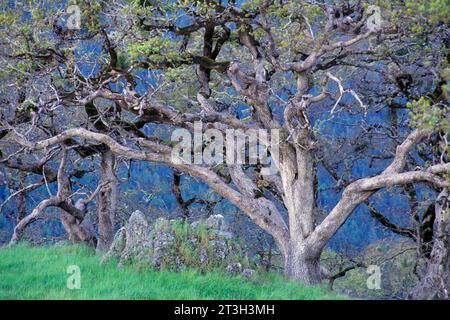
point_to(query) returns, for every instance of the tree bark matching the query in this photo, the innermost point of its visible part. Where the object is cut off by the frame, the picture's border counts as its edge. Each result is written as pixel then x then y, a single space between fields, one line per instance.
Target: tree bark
pixel 20 227
pixel 297 171
pixel 107 198
pixel 435 282
pixel 303 265
pixel 21 206
pixel 78 232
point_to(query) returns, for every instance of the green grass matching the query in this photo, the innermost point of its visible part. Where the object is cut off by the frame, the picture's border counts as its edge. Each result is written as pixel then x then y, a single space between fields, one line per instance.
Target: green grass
pixel 40 273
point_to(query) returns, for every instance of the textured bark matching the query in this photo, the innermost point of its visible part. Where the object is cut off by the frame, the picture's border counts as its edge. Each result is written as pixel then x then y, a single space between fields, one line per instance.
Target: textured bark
pixel 78 232
pixel 435 282
pixel 106 202
pixel 297 173
pixel 21 206
pixel 303 265
pixel 176 189
pixel 20 227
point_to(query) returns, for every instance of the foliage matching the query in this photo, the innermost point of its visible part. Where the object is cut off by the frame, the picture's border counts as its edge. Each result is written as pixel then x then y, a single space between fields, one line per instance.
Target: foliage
pixel 418 16
pixel 426 115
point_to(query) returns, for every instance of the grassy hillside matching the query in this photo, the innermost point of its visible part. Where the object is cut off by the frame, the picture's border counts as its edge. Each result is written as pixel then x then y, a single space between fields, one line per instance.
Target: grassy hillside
pixel 40 273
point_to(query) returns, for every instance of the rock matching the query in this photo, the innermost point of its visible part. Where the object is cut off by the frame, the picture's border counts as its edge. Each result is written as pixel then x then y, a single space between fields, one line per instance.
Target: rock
pixel 223 234
pixel 162 223
pixel 234 268
pixel 164 245
pixel 216 222
pixel 220 249
pixel 203 255
pixel 137 224
pixel 132 242
pixel 60 243
pixel 248 273
pixel 195 224
pixel 192 242
pixel 117 246
pixel 179 264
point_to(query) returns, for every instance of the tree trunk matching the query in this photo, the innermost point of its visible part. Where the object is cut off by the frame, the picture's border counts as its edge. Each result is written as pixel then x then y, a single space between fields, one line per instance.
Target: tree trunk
pixel 106 202
pixel 78 232
pixel 21 206
pixel 301 262
pixel 303 265
pixel 435 282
